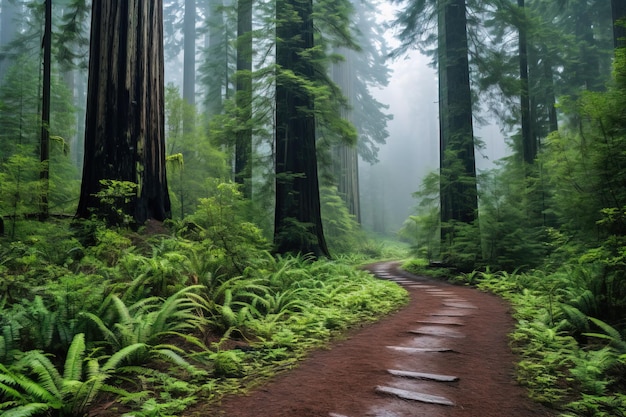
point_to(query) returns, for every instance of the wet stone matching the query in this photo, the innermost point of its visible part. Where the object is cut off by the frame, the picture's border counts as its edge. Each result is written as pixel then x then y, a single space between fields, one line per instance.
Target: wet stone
pixel 441 321
pixel 437 331
pixel 419 350
pixel 414 395
pixel 423 375
pixel 460 305
pixel 451 313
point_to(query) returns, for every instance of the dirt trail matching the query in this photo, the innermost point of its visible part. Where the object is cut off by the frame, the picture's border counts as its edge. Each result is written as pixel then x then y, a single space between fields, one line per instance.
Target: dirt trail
pixel 446 330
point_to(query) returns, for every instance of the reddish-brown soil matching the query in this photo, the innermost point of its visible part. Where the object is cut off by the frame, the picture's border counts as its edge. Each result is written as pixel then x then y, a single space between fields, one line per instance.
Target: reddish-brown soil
pixel 341 380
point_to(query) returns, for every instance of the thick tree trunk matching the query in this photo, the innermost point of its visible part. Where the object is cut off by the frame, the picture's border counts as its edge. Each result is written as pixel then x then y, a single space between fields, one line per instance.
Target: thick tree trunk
pixel 243 141
pixel 298 222
pixel 458 170
pixel 124 132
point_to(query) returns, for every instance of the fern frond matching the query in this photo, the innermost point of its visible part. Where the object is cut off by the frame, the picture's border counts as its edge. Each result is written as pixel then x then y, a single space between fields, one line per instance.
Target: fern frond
pixel 176 359
pixel 108 335
pixel 32 409
pixel 73 369
pixel 112 363
pixel 49 377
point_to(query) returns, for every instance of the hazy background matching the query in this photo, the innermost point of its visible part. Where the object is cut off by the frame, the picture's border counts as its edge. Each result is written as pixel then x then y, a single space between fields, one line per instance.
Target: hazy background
pixel 412 149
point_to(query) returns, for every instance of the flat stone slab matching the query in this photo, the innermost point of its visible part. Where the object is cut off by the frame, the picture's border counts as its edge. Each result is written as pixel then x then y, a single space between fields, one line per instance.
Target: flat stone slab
pixel 414 395
pixel 423 375
pixel 437 331
pixel 336 415
pixel 441 321
pixel 451 313
pixel 460 305
pixel 420 350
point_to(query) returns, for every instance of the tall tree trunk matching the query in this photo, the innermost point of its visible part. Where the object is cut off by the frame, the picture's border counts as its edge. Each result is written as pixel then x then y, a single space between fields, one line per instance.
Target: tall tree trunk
pixel 298 221
pixel 345 158
pixel 189 65
pixel 243 140
pixel 124 132
pixel 529 145
pixel 218 61
pixel 44 144
pixel 618 10
pixel 458 192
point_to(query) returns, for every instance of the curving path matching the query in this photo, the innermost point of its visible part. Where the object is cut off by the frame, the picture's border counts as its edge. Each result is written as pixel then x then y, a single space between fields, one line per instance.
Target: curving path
pixel 445 354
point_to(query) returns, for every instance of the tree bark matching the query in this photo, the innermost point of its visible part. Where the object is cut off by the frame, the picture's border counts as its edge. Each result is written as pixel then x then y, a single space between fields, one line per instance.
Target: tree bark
pixel 124 132
pixel 298 222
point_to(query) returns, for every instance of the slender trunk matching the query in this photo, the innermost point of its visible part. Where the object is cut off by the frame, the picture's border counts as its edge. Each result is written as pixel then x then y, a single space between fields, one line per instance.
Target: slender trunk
pixel 217 58
pixel 346 160
pixel 44 145
pixel 243 140
pixel 529 147
pixel 618 9
pixel 189 65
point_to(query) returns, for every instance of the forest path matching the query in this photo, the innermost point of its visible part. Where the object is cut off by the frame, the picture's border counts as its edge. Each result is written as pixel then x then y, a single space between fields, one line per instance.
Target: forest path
pixel 445 354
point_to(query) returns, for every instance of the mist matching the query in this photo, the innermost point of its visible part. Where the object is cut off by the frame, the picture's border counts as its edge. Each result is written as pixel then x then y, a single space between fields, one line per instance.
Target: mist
pixel 412 148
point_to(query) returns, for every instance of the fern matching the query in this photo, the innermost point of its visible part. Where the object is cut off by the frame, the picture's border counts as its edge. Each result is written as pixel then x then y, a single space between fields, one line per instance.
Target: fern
pixel 611 334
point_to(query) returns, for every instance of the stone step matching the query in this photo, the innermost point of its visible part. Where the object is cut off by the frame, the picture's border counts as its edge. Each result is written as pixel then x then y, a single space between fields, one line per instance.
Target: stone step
pixel 449 312
pixel 423 375
pixel 420 350
pixel 413 395
pixel 441 322
pixel 459 305
pixel 437 331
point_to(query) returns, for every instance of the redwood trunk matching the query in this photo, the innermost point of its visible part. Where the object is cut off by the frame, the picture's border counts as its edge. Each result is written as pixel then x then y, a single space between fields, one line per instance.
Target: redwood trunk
pixel 124 132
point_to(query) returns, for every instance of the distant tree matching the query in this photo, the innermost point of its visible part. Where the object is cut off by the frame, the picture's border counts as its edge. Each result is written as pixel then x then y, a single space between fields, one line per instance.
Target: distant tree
pixel 618 14
pixel 124 138
pixel 243 97
pixel 298 223
pixel 44 143
pixel 356 74
pixel 8 30
pixel 214 68
pixel 189 63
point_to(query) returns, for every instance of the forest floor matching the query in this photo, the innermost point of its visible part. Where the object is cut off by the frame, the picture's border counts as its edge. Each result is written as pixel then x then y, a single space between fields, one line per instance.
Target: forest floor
pixel 445 330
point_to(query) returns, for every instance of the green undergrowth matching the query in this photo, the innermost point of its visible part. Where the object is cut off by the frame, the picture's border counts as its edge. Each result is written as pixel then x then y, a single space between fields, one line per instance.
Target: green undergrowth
pixel 156 323
pixel 569 360
pixel 422 267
